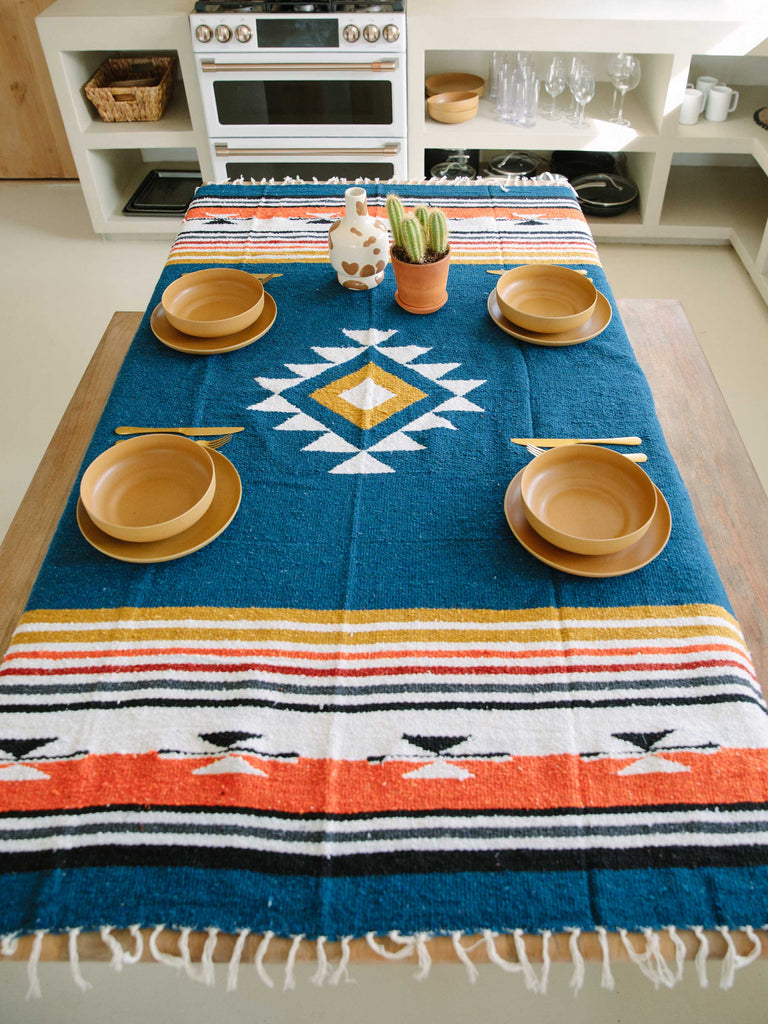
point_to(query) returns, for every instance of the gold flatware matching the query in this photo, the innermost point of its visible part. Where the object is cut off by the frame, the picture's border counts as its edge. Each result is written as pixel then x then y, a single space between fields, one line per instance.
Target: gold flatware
pixel 555 442
pixel 266 277
pixel 187 431
pixel 632 456
pixel 214 442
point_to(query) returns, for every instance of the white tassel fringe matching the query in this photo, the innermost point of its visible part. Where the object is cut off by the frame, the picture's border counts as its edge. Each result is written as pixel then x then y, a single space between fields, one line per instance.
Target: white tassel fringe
pixel 649 960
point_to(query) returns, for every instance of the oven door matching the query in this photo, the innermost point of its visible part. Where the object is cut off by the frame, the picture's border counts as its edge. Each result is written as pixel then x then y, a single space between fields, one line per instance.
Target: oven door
pixel 308 159
pixel 285 95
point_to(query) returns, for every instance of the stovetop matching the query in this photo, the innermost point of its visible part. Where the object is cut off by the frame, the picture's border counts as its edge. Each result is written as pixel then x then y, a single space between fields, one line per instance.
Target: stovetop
pixel 298 7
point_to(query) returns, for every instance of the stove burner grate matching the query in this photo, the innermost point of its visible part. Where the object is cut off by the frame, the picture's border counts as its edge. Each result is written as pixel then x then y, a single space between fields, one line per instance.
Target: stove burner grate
pixel 297 6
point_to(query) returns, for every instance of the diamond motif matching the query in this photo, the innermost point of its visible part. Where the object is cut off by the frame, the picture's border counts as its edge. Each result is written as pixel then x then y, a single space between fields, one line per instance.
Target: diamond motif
pixel 368 397
pixel 365 399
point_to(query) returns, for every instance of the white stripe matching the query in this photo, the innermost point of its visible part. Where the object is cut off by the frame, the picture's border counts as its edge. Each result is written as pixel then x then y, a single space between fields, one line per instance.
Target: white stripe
pixel 639 817
pixel 228 626
pixel 648 644
pixel 383 688
pixel 388 844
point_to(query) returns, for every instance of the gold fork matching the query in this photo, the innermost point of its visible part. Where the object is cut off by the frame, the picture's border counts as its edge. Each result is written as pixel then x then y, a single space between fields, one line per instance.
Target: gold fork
pixel 633 456
pixel 215 442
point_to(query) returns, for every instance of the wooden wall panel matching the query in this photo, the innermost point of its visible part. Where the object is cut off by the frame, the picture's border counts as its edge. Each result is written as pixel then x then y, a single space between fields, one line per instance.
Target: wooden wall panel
pixel 33 143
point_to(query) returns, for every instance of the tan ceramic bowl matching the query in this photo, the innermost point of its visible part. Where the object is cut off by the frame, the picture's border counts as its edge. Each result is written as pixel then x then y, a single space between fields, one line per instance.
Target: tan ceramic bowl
pixel 212 303
pixel 587 499
pixel 453 107
pixel 546 299
pixel 149 488
pixel 455 81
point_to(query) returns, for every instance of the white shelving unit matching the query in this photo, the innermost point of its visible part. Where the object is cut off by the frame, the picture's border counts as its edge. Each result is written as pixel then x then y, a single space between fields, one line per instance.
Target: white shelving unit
pixel 702 184
pixel 706 183
pixel 113 159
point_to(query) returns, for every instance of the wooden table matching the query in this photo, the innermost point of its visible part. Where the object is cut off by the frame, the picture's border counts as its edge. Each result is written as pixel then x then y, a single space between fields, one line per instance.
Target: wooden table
pixel 727 496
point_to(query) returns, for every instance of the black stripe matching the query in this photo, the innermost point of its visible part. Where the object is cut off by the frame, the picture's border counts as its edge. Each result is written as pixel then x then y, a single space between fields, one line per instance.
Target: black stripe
pixel 355 865
pixel 263 681
pixel 426 814
pixel 443 705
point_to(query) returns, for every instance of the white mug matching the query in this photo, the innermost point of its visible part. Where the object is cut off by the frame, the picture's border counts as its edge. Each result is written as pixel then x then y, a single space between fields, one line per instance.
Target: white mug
pixel 705 82
pixel 692 105
pixel 721 101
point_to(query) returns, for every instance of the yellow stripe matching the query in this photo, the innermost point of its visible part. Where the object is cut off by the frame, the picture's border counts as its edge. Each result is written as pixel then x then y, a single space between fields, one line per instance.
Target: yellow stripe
pixel 374 615
pixel 637 635
pixel 365 628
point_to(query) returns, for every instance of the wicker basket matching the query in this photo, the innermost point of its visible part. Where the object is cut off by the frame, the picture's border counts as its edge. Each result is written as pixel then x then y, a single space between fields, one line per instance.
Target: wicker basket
pixel 132 88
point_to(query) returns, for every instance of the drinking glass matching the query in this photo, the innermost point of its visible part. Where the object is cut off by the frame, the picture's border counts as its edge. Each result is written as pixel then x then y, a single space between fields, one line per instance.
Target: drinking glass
pixel 554 83
pixel 627 77
pixel 583 89
pixel 495 63
pixel 508 105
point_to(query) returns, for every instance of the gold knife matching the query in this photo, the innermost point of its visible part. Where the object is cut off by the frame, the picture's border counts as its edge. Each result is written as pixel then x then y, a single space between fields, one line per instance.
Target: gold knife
pixel 556 442
pixel 187 431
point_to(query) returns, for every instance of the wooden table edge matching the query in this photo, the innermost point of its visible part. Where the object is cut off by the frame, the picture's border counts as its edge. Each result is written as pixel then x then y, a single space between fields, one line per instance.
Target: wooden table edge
pixel 656 342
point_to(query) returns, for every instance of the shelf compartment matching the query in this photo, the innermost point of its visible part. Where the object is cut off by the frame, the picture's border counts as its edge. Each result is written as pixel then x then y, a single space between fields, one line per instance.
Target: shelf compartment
pixel 738 134
pixel 718 200
pixel 485 131
pixel 116 174
pixel 173 129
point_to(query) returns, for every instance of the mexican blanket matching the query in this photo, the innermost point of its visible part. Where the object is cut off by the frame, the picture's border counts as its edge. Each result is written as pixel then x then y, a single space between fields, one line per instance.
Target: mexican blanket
pixel 365 708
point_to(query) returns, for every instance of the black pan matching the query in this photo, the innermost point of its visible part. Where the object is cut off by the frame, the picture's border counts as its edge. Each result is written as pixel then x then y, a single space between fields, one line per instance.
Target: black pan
pixel 605 195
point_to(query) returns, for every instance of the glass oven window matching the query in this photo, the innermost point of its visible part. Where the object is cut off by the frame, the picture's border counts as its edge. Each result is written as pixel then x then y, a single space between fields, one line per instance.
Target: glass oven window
pixel 303 102
pixel 307 169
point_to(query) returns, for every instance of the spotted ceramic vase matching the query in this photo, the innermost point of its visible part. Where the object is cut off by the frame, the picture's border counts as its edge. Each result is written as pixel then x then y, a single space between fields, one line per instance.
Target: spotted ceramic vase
pixel 358 244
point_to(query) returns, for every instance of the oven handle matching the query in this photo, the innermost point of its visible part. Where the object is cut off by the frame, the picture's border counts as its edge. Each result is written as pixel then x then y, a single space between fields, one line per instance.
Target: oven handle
pixel 389 149
pixel 211 66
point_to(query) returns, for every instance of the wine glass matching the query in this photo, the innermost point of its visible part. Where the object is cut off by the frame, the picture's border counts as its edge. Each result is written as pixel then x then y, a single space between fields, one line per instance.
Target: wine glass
pixel 614 63
pixel 583 89
pixel 554 83
pixel 626 77
pixel 573 67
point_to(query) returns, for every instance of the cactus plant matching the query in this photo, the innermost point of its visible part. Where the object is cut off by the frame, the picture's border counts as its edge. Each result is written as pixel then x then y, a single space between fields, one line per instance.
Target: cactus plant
pixel 420 236
pixel 396 213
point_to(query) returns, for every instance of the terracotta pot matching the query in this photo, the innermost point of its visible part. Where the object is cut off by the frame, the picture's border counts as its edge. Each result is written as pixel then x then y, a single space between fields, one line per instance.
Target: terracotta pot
pixel 421 286
pixel 358 244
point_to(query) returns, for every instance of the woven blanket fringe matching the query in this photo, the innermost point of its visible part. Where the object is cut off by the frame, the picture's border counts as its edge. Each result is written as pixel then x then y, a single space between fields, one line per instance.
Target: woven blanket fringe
pixel 546 178
pixel 649 960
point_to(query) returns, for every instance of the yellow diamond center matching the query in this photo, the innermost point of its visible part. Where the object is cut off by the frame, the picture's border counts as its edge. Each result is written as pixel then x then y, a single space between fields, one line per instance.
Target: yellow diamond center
pixel 368 396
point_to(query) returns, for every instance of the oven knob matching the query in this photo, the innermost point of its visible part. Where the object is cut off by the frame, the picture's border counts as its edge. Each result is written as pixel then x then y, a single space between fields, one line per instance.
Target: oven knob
pixel 223 33
pixel 351 33
pixel 391 33
pixel 243 34
pixel 204 33
pixel 371 33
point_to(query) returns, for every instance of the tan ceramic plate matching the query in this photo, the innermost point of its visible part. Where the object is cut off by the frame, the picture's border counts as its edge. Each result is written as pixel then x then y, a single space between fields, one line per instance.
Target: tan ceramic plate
pixel 181 342
pixel 587 499
pixel 213 303
pixel 455 81
pixel 594 326
pixel 149 488
pixel 226 501
pixel 597 566
pixel 546 299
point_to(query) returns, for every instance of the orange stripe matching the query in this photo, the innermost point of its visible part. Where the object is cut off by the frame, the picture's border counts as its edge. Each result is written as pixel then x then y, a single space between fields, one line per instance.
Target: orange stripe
pixel 314 785
pixel 434 654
